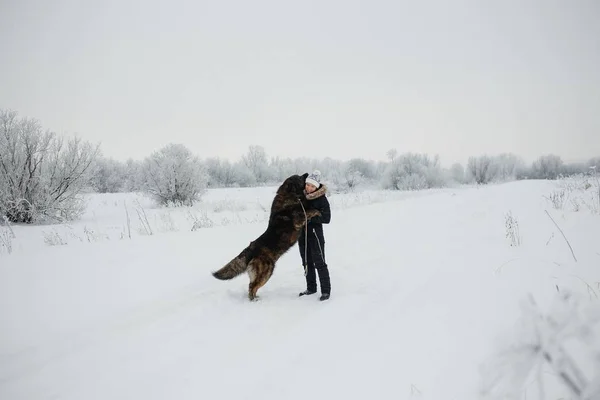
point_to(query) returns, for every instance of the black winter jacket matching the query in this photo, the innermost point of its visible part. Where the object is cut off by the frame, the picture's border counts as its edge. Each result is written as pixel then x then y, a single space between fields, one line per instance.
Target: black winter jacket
pixel 322 204
pixel 317 200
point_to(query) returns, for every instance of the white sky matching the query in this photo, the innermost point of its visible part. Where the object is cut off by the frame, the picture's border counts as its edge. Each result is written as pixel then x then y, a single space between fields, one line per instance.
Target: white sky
pixel 457 78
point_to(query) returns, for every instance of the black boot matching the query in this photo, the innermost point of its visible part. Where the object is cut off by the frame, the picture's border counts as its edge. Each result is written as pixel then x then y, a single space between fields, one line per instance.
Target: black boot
pixel 307 292
pixel 324 296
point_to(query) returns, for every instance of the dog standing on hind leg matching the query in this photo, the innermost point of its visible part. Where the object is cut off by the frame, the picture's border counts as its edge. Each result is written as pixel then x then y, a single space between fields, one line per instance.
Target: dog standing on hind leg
pixel 289 213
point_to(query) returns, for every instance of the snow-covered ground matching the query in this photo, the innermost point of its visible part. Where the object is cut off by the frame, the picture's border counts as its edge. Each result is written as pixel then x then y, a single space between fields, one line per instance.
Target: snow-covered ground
pixel 426 289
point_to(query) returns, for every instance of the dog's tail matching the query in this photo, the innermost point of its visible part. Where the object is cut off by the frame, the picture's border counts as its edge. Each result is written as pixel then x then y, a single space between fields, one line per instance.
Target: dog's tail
pixel 237 266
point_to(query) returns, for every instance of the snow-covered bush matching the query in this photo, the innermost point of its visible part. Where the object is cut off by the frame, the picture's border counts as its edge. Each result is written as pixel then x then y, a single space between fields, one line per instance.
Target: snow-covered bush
pixel 481 170
pixel 351 179
pixel 174 176
pixel 283 167
pixel 547 167
pixel 244 177
pixel 573 169
pixel 503 167
pixel 558 198
pixel 507 167
pixel 257 162
pixel 581 191
pixel 457 173
pixel 109 176
pixel 365 168
pixel 223 173
pixel 219 172
pixel 41 175
pixel 329 167
pixel 412 171
pixel 132 176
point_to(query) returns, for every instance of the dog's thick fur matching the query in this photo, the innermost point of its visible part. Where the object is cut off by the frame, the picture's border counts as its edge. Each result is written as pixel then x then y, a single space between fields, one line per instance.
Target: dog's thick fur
pixel 286 220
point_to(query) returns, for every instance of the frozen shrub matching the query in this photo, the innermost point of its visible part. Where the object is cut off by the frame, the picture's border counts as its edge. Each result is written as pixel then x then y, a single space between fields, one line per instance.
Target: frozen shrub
pixel 173 176
pixel 547 167
pixel 457 173
pixel 109 176
pixel 41 175
pixel 412 171
pixel 481 169
pixel 558 198
pixel 256 161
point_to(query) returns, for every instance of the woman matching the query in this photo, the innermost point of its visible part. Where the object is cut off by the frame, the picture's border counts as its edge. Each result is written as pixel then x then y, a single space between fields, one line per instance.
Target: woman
pixel 312 240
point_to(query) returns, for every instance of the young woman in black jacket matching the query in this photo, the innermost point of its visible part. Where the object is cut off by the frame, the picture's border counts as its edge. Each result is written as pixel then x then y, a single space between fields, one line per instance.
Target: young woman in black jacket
pixel 312 240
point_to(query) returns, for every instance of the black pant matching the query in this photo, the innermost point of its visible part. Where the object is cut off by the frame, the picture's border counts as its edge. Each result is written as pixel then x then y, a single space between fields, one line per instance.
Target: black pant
pixel 314 260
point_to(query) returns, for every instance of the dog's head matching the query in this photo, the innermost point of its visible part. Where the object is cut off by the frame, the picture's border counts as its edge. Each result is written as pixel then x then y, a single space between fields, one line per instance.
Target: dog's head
pixel 293 185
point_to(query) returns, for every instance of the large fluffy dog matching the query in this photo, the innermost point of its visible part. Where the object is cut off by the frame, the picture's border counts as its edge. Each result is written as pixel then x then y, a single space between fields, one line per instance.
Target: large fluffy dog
pixel 289 213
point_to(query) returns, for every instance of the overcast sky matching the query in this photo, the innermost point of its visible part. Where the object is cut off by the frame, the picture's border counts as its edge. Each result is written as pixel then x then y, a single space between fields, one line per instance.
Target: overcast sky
pixel 309 78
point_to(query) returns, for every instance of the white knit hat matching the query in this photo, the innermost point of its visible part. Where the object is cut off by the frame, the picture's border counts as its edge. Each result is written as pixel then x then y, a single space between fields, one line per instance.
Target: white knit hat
pixel 314 178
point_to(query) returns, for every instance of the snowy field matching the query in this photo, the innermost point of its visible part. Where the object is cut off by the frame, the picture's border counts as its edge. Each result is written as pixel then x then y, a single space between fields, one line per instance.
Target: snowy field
pixel 427 292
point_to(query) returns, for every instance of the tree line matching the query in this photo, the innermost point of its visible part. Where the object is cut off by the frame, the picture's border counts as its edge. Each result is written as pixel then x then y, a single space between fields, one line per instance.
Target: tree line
pixel 42 175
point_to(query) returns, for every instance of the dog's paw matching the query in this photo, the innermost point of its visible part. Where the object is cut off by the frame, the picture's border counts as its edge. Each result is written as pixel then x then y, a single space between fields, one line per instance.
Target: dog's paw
pixel 314 213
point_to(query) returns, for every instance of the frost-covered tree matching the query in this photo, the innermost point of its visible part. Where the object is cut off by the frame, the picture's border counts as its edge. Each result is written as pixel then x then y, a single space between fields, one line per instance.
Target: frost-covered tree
pixel 132 175
pixel 222 173
pixel 481 169
pixel 547 167
pixel 365 168
pixel 174 176
pixel 351 179
pixel 380 168
pixel 349 175
pixel 433 172
pixel 243 175
pixel 413 171
pixel 457 173
pixel 305 164
pixel 574 169
pixel 507 166
pixel 392 154
pixel 42 176
pixel 330 168
pixel 253 169
pixel 257 162
pixel 109 175
pixel 281 168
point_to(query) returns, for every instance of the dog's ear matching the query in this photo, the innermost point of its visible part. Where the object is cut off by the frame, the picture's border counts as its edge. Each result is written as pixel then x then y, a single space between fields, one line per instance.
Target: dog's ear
pixel 305 175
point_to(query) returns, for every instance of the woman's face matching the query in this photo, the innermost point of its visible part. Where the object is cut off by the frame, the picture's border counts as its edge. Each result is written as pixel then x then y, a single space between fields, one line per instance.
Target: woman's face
pixel 310 188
